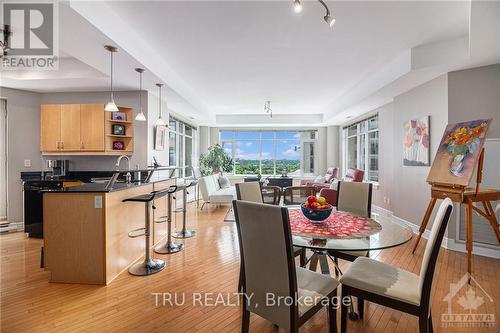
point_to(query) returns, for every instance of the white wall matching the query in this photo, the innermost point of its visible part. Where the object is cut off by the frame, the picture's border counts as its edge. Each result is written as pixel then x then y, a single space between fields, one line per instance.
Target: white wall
pixel 23 144
pixel 411 193
pixel 3 159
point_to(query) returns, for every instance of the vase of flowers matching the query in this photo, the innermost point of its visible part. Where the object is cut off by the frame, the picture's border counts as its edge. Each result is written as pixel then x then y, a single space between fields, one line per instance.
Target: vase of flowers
pixel 460 142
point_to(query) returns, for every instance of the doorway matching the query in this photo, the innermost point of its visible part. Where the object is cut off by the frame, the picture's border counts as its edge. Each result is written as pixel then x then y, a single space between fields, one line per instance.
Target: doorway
pixel 3 160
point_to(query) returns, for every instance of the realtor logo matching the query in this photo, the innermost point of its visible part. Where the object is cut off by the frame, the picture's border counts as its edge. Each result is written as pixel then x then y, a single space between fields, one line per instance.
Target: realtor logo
pixel 33 40
pixel 469 304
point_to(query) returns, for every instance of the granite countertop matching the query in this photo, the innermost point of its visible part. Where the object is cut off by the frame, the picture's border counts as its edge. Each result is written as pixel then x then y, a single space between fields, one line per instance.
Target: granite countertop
pixel 101 187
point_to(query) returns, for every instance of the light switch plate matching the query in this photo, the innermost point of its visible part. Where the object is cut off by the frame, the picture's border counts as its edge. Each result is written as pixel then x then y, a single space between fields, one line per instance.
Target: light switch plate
pixel 98 201
pixel 27 163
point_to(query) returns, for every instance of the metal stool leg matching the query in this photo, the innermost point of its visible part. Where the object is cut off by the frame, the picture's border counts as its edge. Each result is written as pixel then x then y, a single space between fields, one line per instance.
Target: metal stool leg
pixel 170 246
pixel 184 233
pixel 148 266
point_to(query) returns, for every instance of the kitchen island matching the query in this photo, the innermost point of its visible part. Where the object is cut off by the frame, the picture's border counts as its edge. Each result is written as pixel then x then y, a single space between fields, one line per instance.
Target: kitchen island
pixel 86 230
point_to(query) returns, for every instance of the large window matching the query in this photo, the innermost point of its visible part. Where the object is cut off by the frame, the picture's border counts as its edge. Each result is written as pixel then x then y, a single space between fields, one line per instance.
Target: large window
pixel 270 152
pixel 361 147
pixel 181 147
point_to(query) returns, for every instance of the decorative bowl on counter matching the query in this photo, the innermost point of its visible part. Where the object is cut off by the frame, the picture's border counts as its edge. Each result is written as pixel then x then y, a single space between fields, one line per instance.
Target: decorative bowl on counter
pixel 316 214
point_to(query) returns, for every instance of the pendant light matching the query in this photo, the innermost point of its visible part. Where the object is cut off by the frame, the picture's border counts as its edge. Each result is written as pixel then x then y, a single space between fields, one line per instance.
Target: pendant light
pixel 111 106
pixel 160 121
pixel 140 116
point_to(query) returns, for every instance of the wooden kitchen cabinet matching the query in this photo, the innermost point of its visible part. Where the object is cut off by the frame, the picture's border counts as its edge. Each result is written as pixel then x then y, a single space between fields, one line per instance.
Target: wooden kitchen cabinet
pixel 92 127
pixel 83 129
pixel 50 134
pixel 70 127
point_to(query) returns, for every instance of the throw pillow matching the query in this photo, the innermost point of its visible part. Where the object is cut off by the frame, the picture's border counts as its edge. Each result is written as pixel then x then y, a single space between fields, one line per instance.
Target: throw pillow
pixel 334 184
pixel 224 182
pixel 320 179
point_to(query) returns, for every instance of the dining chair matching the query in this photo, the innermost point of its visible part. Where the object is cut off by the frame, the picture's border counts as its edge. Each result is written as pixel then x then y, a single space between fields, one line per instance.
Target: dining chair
pixel 390 286
pixel 269 271
pixel 356 198
pixel 271 194
pixel 251 191
pixel 296 195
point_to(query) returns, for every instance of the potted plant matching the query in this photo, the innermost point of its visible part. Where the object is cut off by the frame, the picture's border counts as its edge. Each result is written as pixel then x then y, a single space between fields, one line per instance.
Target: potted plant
pixel 216 160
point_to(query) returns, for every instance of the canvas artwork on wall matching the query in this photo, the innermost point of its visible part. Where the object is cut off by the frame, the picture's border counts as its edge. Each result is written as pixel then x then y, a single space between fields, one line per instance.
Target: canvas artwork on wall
pixel 458 153
pixel 416 142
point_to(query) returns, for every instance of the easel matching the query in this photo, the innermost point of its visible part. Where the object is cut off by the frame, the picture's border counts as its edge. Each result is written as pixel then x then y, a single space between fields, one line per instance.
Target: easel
pixel 468 197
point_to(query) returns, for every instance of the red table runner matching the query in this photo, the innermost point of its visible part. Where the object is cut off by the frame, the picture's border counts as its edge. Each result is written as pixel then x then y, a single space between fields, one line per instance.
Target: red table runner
pixel 339 225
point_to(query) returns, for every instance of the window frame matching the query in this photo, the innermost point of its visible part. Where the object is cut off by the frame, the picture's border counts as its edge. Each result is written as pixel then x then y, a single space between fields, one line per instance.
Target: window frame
pixel 180 143
pixel 233 140
pixel 365 134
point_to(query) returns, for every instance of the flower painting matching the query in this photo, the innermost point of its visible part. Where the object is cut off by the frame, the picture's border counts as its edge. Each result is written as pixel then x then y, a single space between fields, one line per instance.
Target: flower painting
pixel 416 142
pixel 458 153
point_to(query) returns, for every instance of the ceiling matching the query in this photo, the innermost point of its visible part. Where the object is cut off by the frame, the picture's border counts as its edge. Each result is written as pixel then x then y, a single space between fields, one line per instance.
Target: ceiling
pixel 235 55
pixel 223 58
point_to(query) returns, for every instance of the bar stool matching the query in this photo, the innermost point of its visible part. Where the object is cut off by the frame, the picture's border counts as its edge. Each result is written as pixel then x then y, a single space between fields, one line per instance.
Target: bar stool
pixel 184 233
pixel 148 266
pixel 169 246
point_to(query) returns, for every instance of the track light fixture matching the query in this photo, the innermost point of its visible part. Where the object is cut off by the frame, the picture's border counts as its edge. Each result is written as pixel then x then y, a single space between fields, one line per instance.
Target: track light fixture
pixel 297 7
pixel 267 108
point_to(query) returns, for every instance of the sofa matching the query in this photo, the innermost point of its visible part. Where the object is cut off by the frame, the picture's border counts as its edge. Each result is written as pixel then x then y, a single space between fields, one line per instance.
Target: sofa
pixel 351 175
pixel 329 177
pixel 211 191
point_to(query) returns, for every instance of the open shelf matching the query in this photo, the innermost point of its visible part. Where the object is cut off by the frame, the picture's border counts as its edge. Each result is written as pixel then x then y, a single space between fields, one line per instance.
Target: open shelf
pixel 119 121
pixel 127 139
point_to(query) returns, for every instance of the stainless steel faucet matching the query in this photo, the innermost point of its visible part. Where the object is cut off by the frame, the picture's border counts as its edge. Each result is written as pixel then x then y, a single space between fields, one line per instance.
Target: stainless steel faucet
pixel 128 176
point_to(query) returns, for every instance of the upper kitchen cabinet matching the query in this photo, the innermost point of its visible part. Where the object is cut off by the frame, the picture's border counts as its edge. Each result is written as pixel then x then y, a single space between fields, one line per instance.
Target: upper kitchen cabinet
pixel 50 130
pixel 92 127
pixel 70 127
pixel 85 129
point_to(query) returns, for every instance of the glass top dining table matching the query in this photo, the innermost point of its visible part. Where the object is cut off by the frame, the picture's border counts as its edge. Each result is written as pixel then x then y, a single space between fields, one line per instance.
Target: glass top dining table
pixel 379 232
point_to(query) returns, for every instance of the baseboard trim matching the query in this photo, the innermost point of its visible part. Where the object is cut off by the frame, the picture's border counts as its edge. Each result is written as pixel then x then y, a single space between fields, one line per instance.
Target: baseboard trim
pixel 12 227
pixel 448 243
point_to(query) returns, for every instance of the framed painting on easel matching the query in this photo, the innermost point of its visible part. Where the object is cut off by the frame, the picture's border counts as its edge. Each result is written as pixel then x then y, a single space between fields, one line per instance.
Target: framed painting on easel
pixel 461 152
pixel 458 153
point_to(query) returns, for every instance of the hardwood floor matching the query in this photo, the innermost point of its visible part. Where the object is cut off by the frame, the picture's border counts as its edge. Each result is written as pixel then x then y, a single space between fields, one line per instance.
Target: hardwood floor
pixel 209 264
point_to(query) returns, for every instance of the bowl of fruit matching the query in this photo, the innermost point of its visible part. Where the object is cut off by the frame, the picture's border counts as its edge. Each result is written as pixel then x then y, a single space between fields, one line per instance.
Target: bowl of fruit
pixel 316 209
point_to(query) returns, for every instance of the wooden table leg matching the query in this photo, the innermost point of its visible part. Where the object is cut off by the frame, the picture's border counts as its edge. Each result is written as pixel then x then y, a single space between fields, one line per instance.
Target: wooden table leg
pixel 468 243
pixel 492 219
pixel 425 220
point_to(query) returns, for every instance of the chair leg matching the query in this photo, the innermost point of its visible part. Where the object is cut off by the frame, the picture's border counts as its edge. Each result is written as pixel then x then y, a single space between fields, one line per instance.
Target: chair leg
pixel 343 311
pixel 303 259
pixel 332 318
pixel 423 321
pixel 336 265
pixel 431 330
pixel 361 307
pixel 245 320
pixel 240 279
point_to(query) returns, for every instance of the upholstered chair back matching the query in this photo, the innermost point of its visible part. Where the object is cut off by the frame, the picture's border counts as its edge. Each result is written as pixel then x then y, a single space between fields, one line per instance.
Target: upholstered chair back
pixel 354 175
pixel 250 191
pixel 266 251
pixel 355 198
pixel 331 174
pixel 432 247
